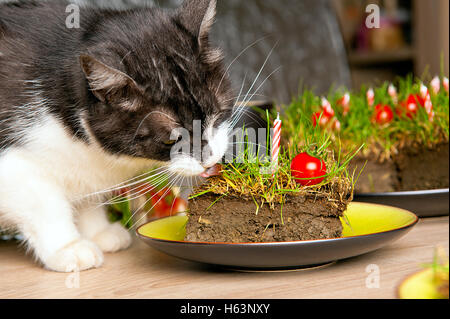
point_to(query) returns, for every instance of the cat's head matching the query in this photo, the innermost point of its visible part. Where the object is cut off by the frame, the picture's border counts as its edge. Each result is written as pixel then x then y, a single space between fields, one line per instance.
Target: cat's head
pixel 151 74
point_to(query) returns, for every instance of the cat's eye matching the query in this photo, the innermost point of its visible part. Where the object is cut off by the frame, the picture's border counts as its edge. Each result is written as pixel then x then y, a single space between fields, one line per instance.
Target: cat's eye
pixel 170 143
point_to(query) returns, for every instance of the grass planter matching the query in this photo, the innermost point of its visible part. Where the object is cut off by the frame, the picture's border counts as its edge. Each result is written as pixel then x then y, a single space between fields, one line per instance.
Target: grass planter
pixel 303 215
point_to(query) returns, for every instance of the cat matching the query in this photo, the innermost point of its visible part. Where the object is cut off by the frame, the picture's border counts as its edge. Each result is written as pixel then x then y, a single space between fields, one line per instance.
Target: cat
pixel 85 109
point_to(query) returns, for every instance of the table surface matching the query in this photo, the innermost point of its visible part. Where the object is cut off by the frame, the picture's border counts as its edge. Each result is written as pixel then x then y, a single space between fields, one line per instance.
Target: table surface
pixel 141 272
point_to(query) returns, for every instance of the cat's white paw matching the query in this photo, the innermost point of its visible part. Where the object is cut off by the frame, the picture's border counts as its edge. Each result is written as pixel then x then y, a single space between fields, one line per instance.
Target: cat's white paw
pixel 78 256
pixel 113 238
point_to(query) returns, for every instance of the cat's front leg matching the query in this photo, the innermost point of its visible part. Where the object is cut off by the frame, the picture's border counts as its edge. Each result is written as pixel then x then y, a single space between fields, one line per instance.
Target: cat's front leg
pixel 45 219
pixel 48 227
pixel 94 225
pixel 33 202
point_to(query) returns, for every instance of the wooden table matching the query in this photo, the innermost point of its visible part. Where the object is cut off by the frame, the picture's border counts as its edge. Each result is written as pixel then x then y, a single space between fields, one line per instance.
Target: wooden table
pixel 142 272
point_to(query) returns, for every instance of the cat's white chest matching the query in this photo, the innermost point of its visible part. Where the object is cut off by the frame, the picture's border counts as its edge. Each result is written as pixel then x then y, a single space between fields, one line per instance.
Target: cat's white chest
pixel 77 168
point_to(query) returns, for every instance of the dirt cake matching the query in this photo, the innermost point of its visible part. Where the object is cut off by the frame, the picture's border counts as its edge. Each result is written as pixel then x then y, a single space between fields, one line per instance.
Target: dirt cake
pixel 304 216
pixel 411 170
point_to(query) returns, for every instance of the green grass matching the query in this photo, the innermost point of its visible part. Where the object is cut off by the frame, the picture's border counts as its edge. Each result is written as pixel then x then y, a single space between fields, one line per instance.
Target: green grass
pixel 357 127
pixel 249 175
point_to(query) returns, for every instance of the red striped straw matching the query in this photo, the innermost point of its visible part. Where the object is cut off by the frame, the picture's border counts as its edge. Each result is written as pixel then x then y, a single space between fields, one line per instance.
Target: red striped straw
pixel 276 141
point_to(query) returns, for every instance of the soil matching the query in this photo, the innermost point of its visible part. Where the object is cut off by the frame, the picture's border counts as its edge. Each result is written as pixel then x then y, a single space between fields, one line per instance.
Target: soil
pixel 410 170
pixel 236 220
pixel 376 177
pixel 423 169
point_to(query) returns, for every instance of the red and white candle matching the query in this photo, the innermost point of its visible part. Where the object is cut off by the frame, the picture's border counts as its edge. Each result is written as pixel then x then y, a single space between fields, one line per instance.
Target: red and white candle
pixel 370 97
pixel 424 91
pixel 345 103
pixel 276 142
pixel 427 101
pixel 336 125
pixel 392 91
pixel 326 106
pixel 445 84
pixel 436 85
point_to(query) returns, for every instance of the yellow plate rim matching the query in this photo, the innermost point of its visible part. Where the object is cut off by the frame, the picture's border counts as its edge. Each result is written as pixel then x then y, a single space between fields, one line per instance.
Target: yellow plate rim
pixel 409 225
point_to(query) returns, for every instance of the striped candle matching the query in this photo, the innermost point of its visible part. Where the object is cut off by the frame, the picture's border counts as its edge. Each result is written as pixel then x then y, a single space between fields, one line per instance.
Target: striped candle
pixel 345 103
pixel 445 84
pixel 392 90
pixel 436 85
pixel 425 93
pixel 370 97
pixel 326 106
pixel 276 142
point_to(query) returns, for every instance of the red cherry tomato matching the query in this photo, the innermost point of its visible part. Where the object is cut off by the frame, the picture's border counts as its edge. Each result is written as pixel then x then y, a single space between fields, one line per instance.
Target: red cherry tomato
pixel 143 189
pixel 383 114
pixel 322 118
pixel 156 201
pixel 159 206
pixel 179 205
pixel 308 170
pixel 411 110
pixel 416 99
pixel 123 192
pixel 165 193
pixel 410 107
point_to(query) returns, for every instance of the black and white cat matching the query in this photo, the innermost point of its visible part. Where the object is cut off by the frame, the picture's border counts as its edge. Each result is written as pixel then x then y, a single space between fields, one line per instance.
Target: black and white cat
pixel 83 110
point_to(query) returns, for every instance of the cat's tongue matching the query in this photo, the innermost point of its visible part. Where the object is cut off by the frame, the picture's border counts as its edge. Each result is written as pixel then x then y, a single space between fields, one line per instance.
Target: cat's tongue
pixel 212 171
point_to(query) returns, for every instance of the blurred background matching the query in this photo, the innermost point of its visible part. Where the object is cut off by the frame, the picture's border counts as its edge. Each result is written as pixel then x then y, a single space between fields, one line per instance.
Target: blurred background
pixel 413 38
pixel 321 44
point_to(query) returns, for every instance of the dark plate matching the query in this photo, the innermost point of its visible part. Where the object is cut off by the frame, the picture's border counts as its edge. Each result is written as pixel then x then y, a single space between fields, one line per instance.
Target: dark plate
pixel 372 227
pixel 430 203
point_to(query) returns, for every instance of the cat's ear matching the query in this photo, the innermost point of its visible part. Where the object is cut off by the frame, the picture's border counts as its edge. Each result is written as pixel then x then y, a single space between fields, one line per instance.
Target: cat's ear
pixel 109 84
pixel 197 16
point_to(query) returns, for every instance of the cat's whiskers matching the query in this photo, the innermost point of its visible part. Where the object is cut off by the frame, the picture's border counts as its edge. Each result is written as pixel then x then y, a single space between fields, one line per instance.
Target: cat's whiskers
pixel 250 114
pixel 160 181
pixel 241 109
pixel 249 143
pixel 240 92
pixel 141 178
pixel 245 101
pixel 127 199
pixel 138 191
pixel 135 192
pixel 144 178
pixel 169 188
pixel 235 59
pixel 256 78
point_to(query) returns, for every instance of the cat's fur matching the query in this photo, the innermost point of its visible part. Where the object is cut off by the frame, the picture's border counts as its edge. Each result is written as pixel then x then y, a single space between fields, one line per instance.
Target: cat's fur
pixel 82 110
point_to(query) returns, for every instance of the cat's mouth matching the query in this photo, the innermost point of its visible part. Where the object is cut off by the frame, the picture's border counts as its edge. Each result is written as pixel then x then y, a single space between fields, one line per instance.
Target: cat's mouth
pixel 215 170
